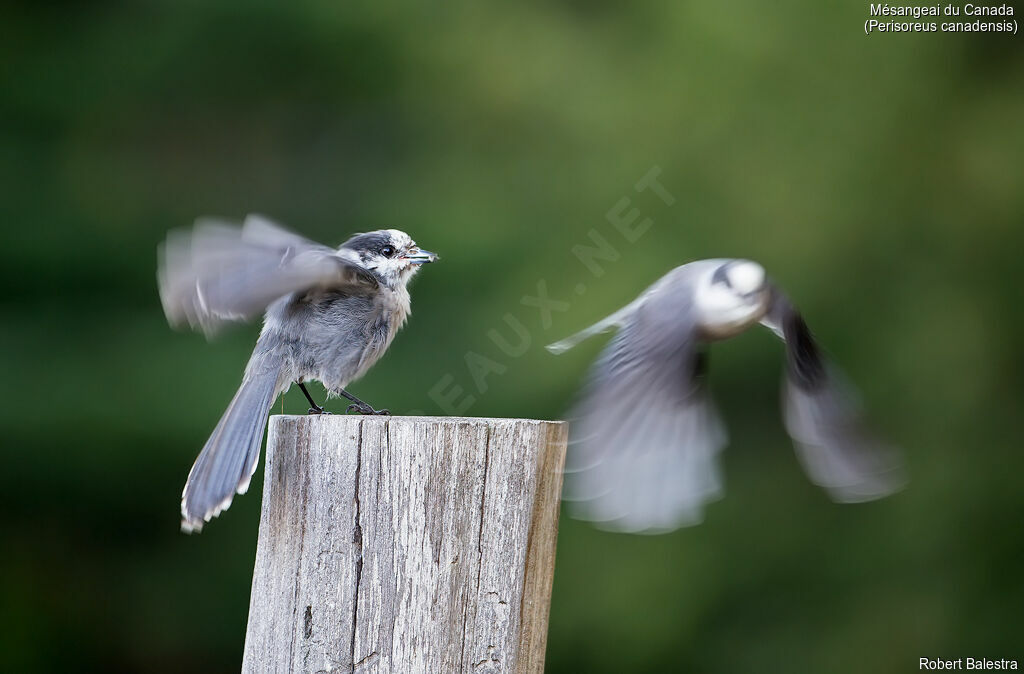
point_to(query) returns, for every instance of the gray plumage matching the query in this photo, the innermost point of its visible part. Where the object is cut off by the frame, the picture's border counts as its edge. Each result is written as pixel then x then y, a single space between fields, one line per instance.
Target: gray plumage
pixel 330 314
pixel 645 434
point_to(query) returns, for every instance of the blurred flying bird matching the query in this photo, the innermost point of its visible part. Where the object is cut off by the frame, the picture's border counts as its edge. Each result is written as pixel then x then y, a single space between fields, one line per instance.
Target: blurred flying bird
pixel 645 434
pixel 330 314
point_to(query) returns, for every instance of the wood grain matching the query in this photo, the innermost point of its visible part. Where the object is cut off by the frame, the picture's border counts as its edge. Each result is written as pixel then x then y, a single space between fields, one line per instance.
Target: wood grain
pixel 405 544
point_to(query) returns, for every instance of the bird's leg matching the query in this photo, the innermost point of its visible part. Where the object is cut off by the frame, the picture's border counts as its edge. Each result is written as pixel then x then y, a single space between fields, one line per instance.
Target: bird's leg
pixel 698 371
pixel 359 405
pixel 314 408
pixel 700 363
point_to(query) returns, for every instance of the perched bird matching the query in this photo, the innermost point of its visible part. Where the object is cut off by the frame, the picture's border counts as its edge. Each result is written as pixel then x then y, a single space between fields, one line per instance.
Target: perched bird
pixel 645 435
pixel 330 315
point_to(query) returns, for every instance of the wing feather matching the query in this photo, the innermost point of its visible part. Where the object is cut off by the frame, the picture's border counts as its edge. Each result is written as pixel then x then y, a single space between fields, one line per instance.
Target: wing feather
pixel 644 436
pixel 836 448
pixel 219 272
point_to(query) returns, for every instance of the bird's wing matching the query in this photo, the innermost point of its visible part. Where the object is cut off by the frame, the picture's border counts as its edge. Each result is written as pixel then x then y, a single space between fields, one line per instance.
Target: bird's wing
pixel 603 325
pixel 219 272
pixel 620 317
pixel 836 448
pixel 644 436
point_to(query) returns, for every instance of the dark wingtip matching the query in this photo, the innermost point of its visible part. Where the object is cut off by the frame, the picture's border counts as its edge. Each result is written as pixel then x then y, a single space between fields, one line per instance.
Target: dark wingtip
pixel 806 367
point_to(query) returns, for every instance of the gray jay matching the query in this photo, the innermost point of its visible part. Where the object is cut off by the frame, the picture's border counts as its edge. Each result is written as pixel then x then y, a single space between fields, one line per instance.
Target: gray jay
pixel 330 314
pixel 645 434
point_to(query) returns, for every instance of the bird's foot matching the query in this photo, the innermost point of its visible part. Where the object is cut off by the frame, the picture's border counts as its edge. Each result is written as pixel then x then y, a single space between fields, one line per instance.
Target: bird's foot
pixel 363 408
pixel 316 409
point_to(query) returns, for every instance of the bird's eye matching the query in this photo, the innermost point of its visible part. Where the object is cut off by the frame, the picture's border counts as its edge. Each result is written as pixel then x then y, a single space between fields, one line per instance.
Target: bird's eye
pixel 387 251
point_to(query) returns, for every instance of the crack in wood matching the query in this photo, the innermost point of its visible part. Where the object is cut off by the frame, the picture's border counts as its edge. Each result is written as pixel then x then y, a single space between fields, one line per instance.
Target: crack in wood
pixel 357 539
pixel 366 660
pixel 479 536
pixel 301 433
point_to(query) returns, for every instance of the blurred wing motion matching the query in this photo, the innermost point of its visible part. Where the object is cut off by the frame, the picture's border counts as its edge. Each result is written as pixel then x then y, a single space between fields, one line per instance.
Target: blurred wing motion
pixel 219 272
pixel 645 434
pixel 837 450
pixel 604 325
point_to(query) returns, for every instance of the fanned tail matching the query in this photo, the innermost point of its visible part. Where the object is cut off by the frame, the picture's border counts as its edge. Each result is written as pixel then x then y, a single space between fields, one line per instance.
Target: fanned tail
pixel 229 458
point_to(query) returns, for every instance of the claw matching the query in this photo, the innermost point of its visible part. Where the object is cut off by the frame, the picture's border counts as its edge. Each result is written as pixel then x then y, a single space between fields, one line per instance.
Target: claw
pixel 317 410
pixel 365 409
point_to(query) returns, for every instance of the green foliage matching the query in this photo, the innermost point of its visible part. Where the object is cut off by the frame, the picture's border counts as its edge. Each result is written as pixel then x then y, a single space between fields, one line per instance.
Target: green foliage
pixel 879 179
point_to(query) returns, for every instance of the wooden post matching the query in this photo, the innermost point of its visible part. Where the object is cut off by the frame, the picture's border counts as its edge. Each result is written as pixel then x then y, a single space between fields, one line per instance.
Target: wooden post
pixel 405 544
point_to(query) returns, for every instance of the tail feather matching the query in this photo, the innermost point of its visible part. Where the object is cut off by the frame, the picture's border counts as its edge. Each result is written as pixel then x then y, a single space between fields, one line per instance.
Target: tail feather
pixel 229 458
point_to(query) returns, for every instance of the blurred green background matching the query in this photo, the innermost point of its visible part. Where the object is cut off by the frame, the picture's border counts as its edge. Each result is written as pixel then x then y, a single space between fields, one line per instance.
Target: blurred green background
pixel 879 179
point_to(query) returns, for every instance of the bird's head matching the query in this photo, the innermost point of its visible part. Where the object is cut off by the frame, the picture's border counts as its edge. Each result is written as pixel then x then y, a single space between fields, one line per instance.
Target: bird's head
pixel 391 254
pixel 731 297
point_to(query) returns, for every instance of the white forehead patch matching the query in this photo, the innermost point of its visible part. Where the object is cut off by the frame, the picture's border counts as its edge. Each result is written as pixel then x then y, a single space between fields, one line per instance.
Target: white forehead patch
pixel 400 238
pixel 746 277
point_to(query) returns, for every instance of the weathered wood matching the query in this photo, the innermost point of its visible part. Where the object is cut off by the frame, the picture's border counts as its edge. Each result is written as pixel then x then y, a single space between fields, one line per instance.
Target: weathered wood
pixel 405 544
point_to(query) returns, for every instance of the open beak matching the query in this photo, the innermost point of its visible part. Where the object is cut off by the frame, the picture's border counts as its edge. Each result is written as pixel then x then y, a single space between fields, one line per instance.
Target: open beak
pixel 420 256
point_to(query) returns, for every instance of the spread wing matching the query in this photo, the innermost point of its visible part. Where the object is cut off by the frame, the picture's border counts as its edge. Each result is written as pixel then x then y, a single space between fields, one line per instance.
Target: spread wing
pixel 644 436
pixel 219 272
pixel 836 448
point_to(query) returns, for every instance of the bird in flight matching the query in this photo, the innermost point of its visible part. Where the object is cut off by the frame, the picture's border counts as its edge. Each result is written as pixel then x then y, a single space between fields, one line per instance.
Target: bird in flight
pixel 645 435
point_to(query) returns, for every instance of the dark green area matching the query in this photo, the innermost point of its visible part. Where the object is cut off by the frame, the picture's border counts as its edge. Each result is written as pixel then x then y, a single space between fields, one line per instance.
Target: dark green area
pixel 879 179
